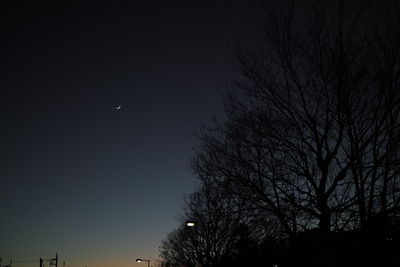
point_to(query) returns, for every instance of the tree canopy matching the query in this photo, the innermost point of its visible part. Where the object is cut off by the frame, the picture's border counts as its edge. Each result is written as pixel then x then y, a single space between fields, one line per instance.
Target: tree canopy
pixel 311 138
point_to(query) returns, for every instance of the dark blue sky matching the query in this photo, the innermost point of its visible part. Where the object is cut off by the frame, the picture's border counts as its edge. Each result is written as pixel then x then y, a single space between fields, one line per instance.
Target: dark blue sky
pixel 99 185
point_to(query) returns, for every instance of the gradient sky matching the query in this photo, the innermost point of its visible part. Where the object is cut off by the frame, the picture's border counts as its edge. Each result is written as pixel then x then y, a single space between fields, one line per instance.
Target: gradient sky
pixel 98 185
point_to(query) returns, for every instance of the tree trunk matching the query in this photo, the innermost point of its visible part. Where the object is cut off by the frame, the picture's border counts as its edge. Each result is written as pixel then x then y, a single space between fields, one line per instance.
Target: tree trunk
pixel 325 220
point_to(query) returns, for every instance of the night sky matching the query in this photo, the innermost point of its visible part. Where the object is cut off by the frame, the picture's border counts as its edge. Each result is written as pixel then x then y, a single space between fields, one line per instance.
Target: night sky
pixel 100 185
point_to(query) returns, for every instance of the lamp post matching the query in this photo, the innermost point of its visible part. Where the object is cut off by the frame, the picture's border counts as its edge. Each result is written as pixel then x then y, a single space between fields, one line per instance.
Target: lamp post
pixel 140 260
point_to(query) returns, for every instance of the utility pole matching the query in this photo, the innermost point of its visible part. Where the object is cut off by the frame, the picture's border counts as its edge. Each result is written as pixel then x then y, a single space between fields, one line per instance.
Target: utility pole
pixel 7 265
pixel 54 261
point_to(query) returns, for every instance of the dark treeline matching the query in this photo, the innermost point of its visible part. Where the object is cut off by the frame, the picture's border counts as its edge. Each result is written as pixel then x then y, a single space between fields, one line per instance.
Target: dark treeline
pixel 304 169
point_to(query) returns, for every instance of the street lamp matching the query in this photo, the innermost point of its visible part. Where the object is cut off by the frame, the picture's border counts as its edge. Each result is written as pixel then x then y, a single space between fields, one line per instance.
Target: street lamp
pixel 140 260
pixel 190 223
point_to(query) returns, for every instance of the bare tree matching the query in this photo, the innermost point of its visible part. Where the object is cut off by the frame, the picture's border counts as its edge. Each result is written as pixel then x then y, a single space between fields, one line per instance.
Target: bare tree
pixel 218 224
pixel 312 137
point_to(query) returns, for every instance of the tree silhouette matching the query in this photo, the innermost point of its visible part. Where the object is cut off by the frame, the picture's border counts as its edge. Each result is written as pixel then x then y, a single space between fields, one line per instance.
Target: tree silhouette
pixel 304 168
pixel 312 135
pixel 218 226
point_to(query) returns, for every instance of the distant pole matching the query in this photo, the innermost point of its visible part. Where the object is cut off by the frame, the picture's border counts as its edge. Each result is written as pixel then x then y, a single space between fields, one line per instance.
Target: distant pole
pixel 40 262
pixel 56 259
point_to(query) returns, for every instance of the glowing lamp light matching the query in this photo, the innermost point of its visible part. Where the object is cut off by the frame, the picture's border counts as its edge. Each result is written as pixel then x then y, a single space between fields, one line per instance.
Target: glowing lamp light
pixel 190 223
pixel 141 260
